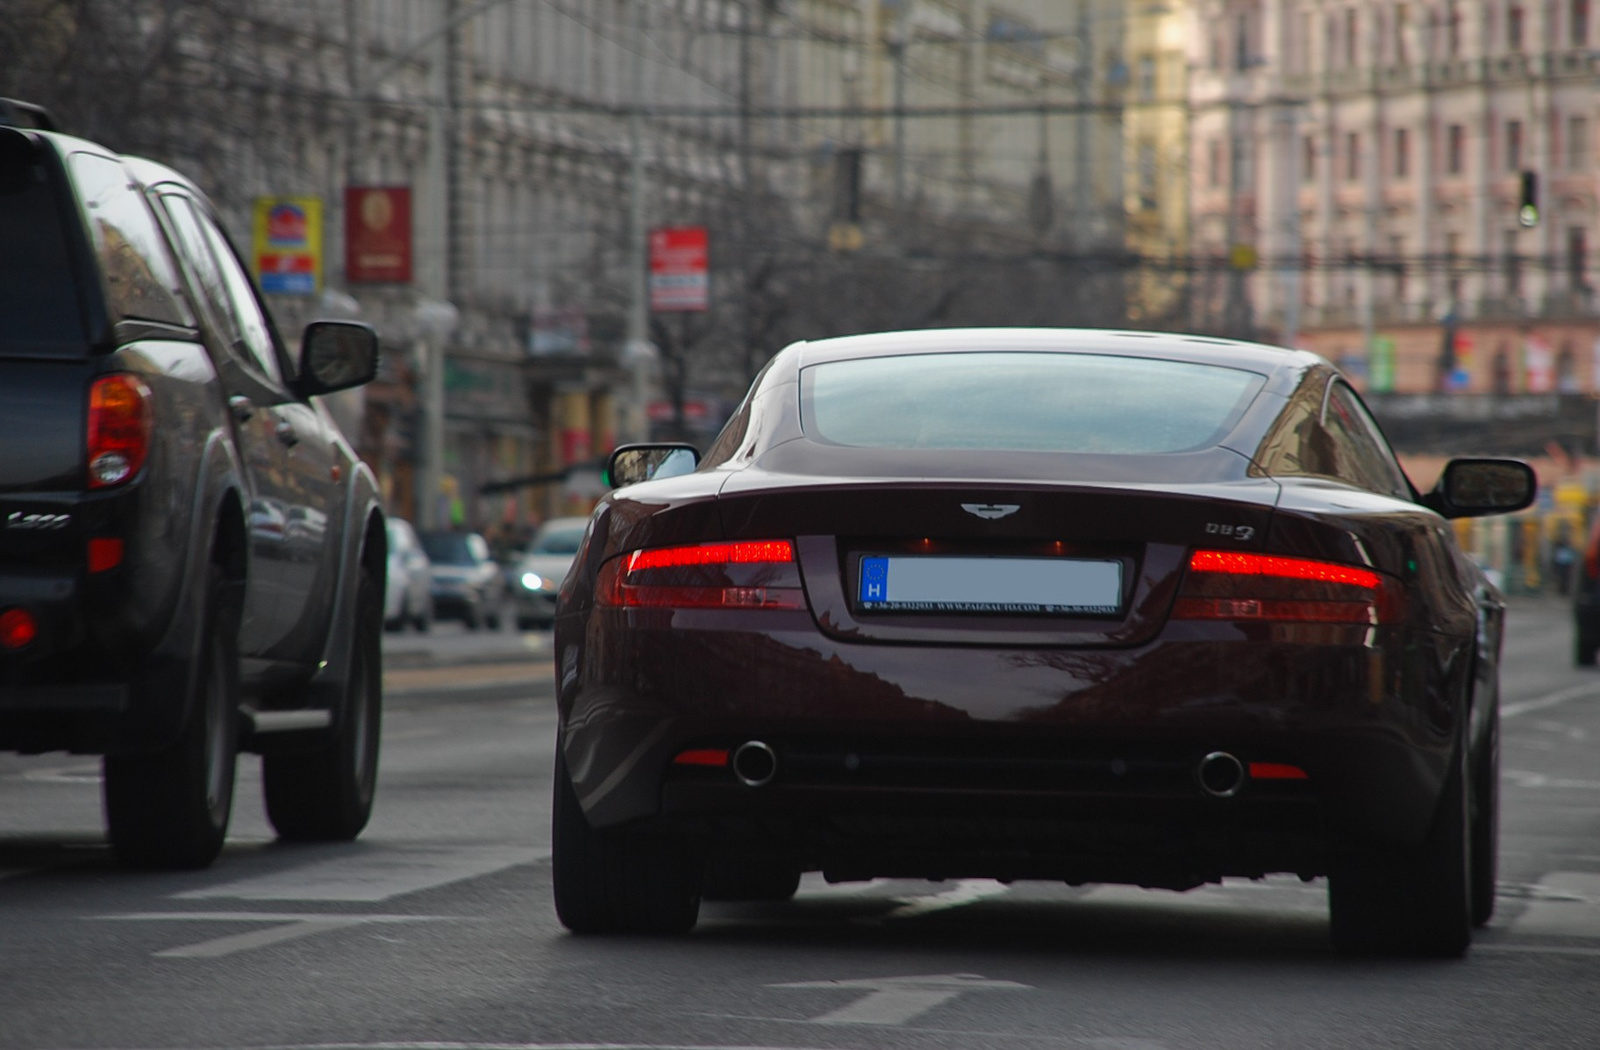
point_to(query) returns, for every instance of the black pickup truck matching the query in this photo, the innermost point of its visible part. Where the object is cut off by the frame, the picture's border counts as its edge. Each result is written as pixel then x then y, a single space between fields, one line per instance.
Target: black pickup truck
pixel 191 557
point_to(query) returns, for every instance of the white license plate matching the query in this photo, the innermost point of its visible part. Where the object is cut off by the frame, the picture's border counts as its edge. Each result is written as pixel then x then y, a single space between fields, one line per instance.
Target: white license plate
pixel 892 583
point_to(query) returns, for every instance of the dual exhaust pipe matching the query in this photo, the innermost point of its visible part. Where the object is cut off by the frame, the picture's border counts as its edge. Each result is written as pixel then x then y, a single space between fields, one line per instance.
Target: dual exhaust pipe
pixel 1219 774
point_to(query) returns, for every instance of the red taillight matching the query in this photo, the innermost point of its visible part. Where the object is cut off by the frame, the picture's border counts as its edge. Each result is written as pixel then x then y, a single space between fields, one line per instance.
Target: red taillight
pixel 1276 771
pixel 1231 585
pixel 703 576
pixel 119 429
pixel 104 553
pixel 703 756
pixel 18 629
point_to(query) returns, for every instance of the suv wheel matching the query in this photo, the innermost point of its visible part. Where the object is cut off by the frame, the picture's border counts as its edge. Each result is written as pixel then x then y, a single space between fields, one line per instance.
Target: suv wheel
pixel 326 795
pixel 170 808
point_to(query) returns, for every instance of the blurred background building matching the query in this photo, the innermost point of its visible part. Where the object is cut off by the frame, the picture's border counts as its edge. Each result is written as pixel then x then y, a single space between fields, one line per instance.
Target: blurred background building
pixel 1405 186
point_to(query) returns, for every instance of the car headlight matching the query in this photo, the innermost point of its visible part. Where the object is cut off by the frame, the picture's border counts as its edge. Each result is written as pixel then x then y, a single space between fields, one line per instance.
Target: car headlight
pixel 532 581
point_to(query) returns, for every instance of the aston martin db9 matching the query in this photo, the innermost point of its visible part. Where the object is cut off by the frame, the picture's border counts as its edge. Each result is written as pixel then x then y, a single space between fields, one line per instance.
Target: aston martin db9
pixel 1085 606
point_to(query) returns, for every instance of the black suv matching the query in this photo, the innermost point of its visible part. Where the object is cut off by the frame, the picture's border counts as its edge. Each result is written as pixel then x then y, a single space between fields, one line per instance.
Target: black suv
pixel 191 556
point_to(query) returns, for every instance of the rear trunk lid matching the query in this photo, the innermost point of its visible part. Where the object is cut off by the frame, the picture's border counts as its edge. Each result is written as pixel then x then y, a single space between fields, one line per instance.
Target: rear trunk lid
pixel 985 562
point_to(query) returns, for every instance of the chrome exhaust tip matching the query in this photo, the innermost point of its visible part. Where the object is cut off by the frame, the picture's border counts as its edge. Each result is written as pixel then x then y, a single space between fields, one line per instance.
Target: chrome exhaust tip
pixel 754 763
pixel 1220 775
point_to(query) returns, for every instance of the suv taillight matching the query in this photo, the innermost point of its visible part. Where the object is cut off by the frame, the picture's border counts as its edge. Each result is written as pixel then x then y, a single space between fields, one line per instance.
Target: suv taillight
pixel 1230 585
pixel 119 429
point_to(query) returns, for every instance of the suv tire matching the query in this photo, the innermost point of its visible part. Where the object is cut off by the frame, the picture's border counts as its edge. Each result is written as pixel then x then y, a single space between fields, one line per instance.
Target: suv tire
pixel 326 795
pixel 170 808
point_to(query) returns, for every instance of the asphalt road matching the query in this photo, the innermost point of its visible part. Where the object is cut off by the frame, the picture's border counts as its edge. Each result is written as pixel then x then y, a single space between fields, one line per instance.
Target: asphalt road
pixel 436 929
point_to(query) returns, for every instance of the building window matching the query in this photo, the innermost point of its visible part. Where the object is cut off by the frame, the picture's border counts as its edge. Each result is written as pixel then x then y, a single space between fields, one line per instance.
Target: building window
pixel 1577 143
pixel 1241 54
pixel 1402 26
pixel 1214 163
pixel 1514 20
pixel 1577 258
pixel 1147 174
pixel 1352 155
pixel 1489 25
pixel 1452 267
pixel 1513 145
pixel 1452 31
pixel 1513 266
pixel 1242 173
pixel 1397 258
pixel 1402 153
pixel 1578 22
pixel 1352 37
pixel 1147 77
pixel 1308 162
pixel 1455 149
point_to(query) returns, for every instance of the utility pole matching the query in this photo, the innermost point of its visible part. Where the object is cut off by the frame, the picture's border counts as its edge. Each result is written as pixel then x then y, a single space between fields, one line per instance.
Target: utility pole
pixel 638 355
pixel 435 316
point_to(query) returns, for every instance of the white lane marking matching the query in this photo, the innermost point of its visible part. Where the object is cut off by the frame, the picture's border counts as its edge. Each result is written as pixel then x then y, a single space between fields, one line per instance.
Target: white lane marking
pixel 1524 779
pixel 64 775
pixel 1538 949
pixel 1565 906
pixel 514 1045
pixel 812 884
pixel 964 892
pixel 372 875
pixel 282 927
pixel 1540 703
pixel 1276 892
pixel 896 1000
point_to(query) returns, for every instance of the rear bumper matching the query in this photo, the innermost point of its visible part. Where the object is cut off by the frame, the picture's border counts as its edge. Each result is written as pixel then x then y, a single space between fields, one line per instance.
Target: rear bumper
pixel 1091 746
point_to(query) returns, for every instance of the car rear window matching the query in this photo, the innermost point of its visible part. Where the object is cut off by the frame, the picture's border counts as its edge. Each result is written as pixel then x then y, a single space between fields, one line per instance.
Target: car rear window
pixel 455 548
pixel 38 294
pixel 557 541
pixel 1044 402
pixel 140 275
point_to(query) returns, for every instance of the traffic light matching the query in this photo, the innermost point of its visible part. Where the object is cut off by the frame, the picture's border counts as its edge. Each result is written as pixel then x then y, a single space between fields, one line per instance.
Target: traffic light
pixel 1528 212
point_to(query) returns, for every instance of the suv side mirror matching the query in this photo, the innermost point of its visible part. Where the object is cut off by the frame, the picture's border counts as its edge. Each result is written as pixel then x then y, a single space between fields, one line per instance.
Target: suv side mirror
pixel 336 355
pixel 1471 488
pixel 632 464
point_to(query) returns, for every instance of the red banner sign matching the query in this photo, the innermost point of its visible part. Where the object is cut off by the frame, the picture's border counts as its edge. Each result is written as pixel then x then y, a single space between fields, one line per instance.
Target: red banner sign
pixel 377 234
pixel 680 277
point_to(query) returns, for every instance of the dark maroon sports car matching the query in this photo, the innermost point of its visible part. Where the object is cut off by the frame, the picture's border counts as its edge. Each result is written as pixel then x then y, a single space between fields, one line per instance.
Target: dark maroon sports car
pixel 1088 606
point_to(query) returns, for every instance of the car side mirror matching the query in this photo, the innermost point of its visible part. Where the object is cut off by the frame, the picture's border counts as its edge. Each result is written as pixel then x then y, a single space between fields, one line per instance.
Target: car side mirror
pixel 1470 488
pixel 336 355
pixel 632 464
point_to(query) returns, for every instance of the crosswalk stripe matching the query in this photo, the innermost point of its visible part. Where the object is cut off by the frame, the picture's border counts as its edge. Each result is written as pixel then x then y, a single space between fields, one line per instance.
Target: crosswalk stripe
pixel 372 874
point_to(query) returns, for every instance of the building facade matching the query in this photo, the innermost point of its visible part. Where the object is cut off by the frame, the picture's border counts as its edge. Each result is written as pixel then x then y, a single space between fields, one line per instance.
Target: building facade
pixel 1359 175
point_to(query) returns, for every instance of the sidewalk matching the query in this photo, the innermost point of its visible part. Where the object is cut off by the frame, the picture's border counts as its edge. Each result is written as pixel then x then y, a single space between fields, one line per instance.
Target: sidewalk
pixel 447 647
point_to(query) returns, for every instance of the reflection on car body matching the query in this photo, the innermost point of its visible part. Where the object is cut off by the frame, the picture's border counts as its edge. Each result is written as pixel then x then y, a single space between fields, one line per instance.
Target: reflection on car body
pixel 1033 604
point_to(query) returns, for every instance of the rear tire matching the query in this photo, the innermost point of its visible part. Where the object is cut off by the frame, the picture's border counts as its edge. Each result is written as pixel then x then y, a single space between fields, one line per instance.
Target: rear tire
pixel 1411 903
pixel 610 881
pixel 170 808
pixel 326 795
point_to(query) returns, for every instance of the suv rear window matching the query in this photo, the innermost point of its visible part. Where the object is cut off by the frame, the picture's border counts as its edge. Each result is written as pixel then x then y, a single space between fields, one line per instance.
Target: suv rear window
pixel 38 297
pixel 140 275
pixel 1038 402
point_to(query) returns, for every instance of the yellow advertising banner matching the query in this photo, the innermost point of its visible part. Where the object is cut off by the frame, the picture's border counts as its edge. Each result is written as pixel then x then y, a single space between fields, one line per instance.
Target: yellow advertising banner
pixel 288 245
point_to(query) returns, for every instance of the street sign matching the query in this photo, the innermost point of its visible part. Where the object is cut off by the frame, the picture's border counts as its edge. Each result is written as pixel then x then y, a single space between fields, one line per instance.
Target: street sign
pixel 680 278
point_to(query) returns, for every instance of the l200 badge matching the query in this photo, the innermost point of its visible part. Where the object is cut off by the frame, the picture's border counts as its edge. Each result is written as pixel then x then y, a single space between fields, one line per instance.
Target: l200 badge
pixel 37 522
pixel 991 511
